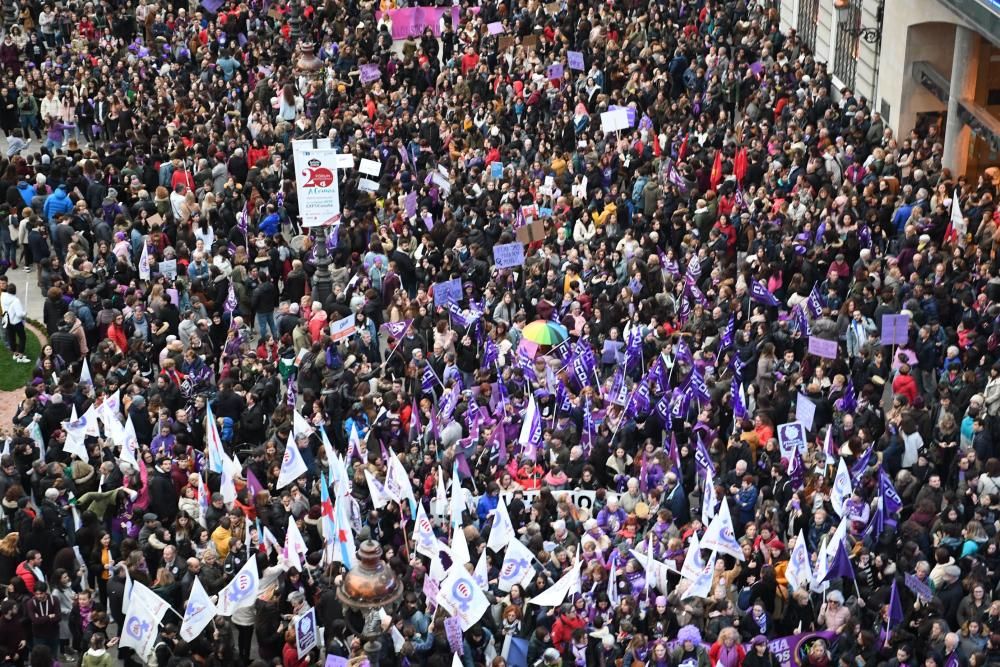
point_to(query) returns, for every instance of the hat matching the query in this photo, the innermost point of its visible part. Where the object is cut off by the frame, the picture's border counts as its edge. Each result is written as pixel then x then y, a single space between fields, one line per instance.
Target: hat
pixel 149 516
pixel 759 639
pixel 661 600
pixel 952 571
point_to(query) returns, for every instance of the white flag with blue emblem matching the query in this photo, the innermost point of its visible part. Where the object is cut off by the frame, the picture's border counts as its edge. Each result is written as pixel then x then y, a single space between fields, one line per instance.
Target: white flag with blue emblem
pixel 461 597
pixel 798 571
pixel 721 536
pixel 482 572
pixel 701 587
pixel 198 613
pixel 292 464
pixel 76 435
pixel 502 530
pixel 426 541
pixel 139 629
pixel 694 563
pixel 517 566
pixel 842 489
pixel 241 591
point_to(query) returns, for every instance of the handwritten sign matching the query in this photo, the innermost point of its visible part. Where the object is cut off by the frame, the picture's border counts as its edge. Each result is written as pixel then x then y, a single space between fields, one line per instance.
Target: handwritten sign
pixel 575 60
pixel 168 268
pixel 496 170
pixel 453 631
pixel 822 347
pixel 495 28
pixel 919 588
pixel 450 291
pixel 895 329
pixel 507 255
pixel 370 73
pixel 410 204
pixel 629 111
pixel 370 167
pixel 555 71
pixel 367 185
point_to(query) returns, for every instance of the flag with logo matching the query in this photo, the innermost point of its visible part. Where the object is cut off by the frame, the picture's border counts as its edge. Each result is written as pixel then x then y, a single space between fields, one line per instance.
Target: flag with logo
pixel 517 567
pixel 502 529
pixel 424 539
pixel 842 489
pixel 241 592
pixel 462 597
pixel 293 465
pixel 799 571
pixel 198 612
pixel 701 587
pixel 762 295
pixel 721 536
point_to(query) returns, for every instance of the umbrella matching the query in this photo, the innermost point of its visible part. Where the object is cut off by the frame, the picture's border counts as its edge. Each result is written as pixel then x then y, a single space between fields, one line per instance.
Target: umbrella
pixel 545 332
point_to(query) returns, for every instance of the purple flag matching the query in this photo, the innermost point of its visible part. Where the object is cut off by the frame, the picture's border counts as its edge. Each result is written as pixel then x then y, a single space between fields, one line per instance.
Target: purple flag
pixel 491 353
pixel 230 305
pixel 726 339
pixel 397 329
pixel 253 484
pixel 739 409
pixel 890 497
pixel 841 566
pixel 683 353
pixel 797 473
pixel 762 295
pixel 292 393
pixel 848 402
pixel 859 467
pixel 415 425
pixel 815 302
pixel 702 459
pixel 428 378
pixel 895 607
pixel 673 452
pixel 697 388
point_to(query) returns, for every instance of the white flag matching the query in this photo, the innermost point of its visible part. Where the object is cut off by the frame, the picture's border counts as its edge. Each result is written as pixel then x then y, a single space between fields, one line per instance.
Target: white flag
pixel 461 597
pixel 198 613
pixel 827 445
pixel 156 605
pixel 341 480
pixel 457 499
pixel 144 261
pixel 798 571
pixel 292 464
pixel 517 566
pixel 377 492
pixel 85 377
pixel 841 491
pixel 818 584
pixel 441 495
pixel 437 570
pixel 227 486
pixel 701 587
pixel 482 572
pixel 958 220
pixel 139 630
pixel 694 563
pixel 295 547
pixel 569 583
pixel 459 547
pixel 708 499
pixel 423 534
pixel 242 591
pixel 502 530
pixel 76 435
pixel 721 536
pixel 300 425
pixel 397 483
pixel 343 547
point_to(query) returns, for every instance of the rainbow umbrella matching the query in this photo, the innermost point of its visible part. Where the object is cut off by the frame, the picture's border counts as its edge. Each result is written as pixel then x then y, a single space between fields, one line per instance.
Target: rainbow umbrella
pixel 544 332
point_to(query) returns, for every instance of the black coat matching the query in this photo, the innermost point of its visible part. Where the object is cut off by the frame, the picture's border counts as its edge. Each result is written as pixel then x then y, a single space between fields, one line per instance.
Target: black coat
pixel 162 497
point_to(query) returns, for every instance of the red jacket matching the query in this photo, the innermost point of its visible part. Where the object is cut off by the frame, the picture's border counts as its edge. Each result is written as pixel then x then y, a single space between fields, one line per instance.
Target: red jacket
pixel 562 630
pixel 713 653
pixel 28 575
pixel 906 386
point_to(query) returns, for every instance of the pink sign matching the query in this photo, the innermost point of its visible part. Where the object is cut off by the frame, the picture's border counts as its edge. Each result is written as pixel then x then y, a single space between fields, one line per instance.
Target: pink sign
pixel 412 21
pixel 822 347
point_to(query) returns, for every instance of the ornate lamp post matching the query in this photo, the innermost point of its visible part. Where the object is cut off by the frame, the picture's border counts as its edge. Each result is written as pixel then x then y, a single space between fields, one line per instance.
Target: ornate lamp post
pixel 322 281
pixel 365 589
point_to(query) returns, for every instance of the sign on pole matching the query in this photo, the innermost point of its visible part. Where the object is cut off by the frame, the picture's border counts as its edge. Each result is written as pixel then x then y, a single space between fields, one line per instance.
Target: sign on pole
pixel 316 182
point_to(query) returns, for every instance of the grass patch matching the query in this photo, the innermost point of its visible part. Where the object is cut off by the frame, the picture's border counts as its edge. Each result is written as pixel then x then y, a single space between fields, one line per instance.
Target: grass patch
pixel 12 374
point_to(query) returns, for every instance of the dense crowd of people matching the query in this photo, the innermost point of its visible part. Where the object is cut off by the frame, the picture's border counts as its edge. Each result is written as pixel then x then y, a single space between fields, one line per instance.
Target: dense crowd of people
pixel 735 401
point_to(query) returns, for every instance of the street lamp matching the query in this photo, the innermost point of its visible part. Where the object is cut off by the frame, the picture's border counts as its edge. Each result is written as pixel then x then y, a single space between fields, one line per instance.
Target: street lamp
pixel 363 590
pixel 322 280
pixel 845 15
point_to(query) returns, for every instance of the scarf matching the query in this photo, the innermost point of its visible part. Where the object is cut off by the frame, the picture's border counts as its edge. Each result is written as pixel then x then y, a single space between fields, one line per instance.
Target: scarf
pixel 761 622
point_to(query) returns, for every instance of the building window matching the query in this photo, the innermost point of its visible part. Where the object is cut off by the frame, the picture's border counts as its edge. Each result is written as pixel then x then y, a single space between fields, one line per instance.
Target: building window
pixel 845 57
pixel 808 22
